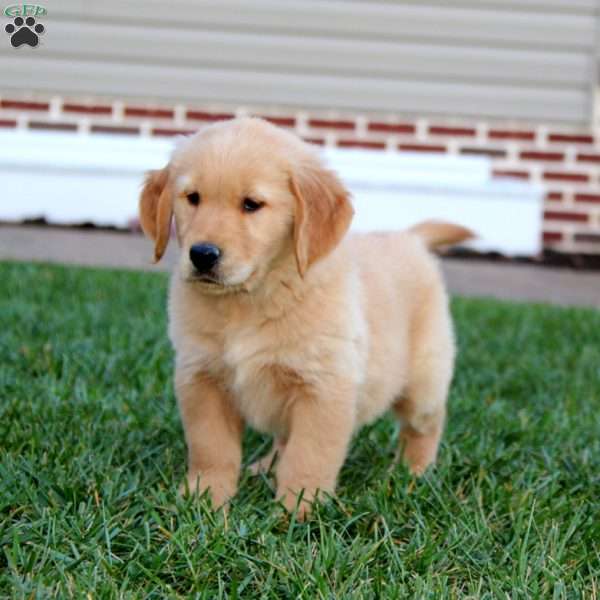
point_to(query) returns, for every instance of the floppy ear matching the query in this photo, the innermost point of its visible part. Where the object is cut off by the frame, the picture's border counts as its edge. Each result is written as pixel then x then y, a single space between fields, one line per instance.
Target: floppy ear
pixel 323 214
pixel 156 210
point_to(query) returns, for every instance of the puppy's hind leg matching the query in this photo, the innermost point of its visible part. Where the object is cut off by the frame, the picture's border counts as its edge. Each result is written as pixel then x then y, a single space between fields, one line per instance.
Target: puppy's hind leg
pixel 419 437
pixel 422 410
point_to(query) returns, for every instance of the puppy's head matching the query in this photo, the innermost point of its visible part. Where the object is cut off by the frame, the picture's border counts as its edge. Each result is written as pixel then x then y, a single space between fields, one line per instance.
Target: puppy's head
pixel 244 195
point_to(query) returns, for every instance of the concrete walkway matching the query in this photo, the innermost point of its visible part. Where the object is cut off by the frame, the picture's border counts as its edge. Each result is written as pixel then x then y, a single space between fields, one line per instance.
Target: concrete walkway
pixel 465 277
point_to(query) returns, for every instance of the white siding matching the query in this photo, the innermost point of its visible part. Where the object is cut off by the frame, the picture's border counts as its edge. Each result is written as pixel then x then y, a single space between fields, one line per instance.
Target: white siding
pixel 515 59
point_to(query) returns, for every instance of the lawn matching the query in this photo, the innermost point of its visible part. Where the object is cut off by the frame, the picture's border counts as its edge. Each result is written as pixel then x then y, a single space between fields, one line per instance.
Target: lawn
pixel 92 452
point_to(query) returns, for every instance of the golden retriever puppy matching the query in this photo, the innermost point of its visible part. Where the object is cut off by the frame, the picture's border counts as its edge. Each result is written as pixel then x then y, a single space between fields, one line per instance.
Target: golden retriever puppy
pixel 282 322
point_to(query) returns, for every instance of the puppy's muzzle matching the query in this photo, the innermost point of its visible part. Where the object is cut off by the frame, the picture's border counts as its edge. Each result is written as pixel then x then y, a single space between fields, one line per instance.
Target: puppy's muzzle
pixel 204 257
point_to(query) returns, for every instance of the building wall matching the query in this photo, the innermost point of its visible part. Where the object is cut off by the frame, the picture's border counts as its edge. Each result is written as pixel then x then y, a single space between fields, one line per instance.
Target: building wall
pixel 532 60
pixel 564 160
pixel 513 80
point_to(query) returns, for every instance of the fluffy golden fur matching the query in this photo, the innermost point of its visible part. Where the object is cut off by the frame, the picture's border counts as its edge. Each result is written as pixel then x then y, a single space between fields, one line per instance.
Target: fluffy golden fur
pixel 302 332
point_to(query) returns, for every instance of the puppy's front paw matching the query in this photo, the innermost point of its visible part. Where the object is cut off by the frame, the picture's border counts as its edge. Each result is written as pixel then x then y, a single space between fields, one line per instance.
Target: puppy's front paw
pixel 300 501
pixel 220 488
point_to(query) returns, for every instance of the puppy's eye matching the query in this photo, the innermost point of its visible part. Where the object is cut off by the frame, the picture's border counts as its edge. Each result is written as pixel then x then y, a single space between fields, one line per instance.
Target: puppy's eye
pixel 193 198
pixel 249 205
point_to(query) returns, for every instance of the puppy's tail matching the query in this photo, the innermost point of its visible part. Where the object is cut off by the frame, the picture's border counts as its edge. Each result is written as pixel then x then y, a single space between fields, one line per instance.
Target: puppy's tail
pixel 440 233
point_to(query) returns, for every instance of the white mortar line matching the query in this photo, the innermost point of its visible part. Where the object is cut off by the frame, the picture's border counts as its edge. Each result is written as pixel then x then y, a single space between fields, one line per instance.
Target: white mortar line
pixel 179 115
pixel 481 133
pixel 22 121
pixel 421 130
pixel 55 108
pixel 541 136
pixel 118 111
pixel 391 143
pixel 302 124
pixel 85 125
pixel 330 139
pixel 360 126
pixel 145 128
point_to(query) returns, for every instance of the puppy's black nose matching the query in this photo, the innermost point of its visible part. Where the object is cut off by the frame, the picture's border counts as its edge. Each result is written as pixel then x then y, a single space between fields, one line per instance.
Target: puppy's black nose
pixel 204 256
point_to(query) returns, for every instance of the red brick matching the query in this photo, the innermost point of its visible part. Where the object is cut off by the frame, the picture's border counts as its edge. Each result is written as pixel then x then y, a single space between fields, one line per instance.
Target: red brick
pixel 24 105
pixel 90 109
pixel 453 131
pixel 593 198
pixel 593 238
pixel 554 196
pixel 562 176
pixel 317 141
pixel 167 131
pixel 198 115
pixel 155 113
pixel 545 156
pixel 584 157
pixel 331 124
pixel 8 123
pixel 510 173
pixel 552 236
pixel 281 121
pixel 491 152
pixel 52 126
pixel 554 215
pixel 117 129
pixel 392 127
pixel 361 144
pixel 511 134
pixel 571 138
pixel 437 149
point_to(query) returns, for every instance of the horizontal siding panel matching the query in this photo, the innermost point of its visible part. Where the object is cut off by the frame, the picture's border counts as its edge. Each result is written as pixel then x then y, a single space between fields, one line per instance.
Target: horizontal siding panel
pixel 585 7
pixel 535 28
pixel 200 84
pixel 317 55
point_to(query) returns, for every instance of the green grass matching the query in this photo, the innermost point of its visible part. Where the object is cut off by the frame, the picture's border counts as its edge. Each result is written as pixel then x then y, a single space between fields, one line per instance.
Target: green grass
pixel 92 452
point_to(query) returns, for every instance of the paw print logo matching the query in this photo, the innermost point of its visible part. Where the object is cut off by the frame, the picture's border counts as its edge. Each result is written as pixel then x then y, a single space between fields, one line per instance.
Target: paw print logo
pixel 24 32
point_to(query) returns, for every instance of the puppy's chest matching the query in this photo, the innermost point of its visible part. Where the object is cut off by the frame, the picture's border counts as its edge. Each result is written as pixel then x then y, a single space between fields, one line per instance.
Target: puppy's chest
pixel 261 377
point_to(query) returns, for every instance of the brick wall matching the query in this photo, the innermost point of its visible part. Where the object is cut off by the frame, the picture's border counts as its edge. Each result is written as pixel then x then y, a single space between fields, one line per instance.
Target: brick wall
pixel 565 162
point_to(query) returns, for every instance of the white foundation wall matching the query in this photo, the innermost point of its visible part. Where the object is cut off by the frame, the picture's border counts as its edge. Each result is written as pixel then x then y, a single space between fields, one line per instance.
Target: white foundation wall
pixel 73 179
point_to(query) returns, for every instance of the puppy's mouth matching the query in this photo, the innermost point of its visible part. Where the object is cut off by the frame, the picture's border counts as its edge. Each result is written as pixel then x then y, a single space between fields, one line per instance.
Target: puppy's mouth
pixel 207 279
pixel 212 284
